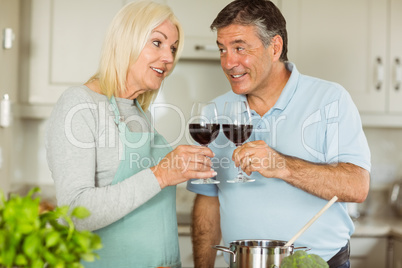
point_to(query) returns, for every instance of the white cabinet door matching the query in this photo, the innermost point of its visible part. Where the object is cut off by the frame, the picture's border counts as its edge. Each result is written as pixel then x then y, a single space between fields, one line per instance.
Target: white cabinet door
pixel 397 254
pixel 65 43
pixel 395 72
pixel 342 41
pixel 65 40
pixel 368 252
pixel 62 44
pixel 196 17
pixel 9 19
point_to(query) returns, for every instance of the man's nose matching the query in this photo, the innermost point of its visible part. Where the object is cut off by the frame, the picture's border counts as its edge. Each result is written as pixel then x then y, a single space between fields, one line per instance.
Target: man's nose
pixel 229 60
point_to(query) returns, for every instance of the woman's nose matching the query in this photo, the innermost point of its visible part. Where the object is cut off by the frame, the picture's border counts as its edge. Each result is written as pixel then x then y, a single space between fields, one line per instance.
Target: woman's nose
pixel 168 56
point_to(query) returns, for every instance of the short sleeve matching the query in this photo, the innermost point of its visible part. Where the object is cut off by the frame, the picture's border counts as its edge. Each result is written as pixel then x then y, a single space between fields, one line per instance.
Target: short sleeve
pixel 345 138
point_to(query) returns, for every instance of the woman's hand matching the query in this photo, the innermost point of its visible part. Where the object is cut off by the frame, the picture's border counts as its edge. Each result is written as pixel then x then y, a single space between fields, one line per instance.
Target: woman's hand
pixel 184 163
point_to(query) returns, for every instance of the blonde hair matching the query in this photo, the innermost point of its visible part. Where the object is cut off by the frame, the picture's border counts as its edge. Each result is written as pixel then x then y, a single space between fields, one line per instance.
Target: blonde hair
pixel 126 37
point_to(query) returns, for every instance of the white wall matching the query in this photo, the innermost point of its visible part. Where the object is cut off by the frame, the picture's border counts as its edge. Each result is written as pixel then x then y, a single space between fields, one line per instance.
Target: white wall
pixel 386 157
pixel 191 81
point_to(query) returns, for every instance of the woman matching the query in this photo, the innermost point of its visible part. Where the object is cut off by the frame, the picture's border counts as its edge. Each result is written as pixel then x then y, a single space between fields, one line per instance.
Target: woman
pixel 105 155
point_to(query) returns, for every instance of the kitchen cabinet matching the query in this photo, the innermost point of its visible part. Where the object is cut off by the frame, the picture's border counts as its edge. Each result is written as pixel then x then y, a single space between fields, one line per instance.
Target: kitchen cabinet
pixel 395 56
pixel 368 252
pixel 186 254
pixel 62 43
pixel 196 17
pixel 356 44
pixel 9 45
pixel 396 253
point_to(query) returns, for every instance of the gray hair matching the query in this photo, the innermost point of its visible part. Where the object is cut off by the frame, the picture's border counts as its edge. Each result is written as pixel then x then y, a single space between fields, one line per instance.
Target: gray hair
pixel 262 14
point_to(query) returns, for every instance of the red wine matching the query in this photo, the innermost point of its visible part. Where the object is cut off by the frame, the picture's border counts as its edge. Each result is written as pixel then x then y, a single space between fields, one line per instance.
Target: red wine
pixel 237 133
pixel 204 134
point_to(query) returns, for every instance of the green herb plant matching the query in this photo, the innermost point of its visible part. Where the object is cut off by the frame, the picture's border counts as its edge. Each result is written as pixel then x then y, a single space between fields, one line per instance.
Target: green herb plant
pixel 32 239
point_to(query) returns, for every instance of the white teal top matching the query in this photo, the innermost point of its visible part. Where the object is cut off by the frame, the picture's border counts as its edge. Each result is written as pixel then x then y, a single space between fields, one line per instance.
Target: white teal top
pixel 314 120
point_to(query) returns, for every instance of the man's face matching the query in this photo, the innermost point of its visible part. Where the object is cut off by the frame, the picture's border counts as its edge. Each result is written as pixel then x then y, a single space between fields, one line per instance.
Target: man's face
pixel 244 59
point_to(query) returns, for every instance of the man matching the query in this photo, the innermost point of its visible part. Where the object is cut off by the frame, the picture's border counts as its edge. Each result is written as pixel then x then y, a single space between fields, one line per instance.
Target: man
pixel 307 146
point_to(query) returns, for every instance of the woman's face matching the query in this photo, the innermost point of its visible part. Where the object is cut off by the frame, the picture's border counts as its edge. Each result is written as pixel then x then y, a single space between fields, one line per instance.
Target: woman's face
pixel 154 62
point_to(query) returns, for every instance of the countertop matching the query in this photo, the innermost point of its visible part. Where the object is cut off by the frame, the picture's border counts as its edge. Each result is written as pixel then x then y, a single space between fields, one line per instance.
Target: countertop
pixel 379 226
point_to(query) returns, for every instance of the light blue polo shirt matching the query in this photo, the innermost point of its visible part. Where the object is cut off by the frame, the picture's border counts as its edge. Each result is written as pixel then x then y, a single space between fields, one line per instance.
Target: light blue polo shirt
pixel 315 120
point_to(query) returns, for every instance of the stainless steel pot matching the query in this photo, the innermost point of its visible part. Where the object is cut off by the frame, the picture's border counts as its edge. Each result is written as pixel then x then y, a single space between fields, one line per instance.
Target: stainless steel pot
pixel 256 253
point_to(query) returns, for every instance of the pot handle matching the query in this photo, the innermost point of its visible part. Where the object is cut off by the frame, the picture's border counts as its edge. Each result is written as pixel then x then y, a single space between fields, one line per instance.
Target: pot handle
pixel 305 248
pixel 225 249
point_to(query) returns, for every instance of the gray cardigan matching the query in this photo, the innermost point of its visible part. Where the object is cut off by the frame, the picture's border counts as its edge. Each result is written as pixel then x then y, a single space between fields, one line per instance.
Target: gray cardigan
pixel 84 152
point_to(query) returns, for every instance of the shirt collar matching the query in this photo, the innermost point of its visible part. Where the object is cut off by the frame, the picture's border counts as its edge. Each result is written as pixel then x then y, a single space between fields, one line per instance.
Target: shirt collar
pixel 287 92
pixel 289 89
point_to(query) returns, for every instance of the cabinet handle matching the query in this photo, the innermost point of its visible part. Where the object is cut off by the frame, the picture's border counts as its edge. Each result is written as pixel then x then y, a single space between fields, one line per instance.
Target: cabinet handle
pixel 208 48
pixel 397 74
pixel 9 37
pixel 380 74
pixel 5 111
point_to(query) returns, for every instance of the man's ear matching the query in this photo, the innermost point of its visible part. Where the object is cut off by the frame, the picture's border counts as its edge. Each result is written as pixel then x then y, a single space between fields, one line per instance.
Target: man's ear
pixel 277 46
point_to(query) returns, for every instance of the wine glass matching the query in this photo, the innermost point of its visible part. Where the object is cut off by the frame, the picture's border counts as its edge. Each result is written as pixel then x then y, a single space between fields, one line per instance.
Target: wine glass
pixel 204 128
pixel 238 128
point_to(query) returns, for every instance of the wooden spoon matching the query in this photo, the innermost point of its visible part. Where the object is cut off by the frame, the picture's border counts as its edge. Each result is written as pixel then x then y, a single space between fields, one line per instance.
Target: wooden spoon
pixel 330 203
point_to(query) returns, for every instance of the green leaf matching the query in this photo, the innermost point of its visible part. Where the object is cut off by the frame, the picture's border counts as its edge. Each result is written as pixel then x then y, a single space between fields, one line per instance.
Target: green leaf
pixel 60 264
pixel 69 257
pixel 8 256
pixel 2 199
pixel 96 242
pixel 80 213
pixel 25 228
pixel 32 245
pixel 52 239
pixel 52 259
pixel 32 191
pixel 61 248
pixel 89 257
pixel 82 240
pixel 56 225
pixel 2 239
pixel 9 213
pixel 28 210
pixel 38 263
pixel 61 211
pixel 77 265
pixel 21 260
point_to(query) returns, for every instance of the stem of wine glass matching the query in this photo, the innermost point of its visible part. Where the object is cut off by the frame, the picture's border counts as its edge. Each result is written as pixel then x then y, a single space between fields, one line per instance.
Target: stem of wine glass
pixel 239 172
pixel 206 181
